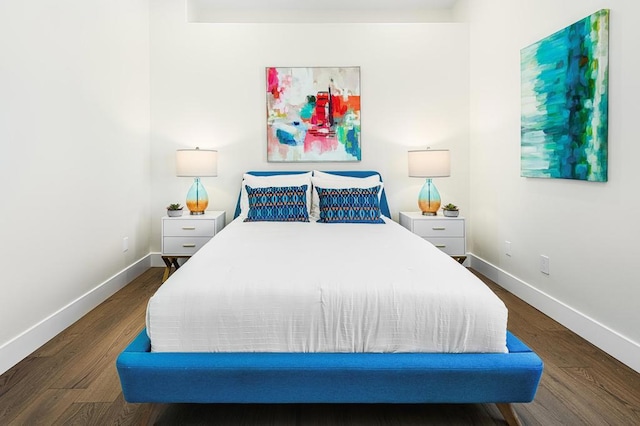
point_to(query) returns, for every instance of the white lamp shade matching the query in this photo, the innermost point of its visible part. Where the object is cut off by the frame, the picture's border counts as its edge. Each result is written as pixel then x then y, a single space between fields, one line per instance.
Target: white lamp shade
pixel 429 163
pixel 196 162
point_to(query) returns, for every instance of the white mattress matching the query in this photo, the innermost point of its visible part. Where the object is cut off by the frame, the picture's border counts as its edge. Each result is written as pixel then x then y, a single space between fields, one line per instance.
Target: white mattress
pixel 313 287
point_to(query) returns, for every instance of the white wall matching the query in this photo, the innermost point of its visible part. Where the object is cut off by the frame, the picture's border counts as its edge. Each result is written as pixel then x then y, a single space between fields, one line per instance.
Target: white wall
pixel 74 158
pixel 588 230
pixel 208 90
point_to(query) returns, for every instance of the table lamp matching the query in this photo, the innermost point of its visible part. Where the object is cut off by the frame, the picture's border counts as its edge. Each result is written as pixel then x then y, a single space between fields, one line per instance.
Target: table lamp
pixel 197 163
pixel 429 163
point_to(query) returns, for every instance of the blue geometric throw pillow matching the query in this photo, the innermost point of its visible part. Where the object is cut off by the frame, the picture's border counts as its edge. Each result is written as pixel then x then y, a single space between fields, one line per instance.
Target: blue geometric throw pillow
pixel 349 205
pixel 277 204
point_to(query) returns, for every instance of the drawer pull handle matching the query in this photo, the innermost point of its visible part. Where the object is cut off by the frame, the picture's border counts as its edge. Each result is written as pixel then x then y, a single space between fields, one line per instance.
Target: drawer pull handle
pixel 188 245
pixel 439 228
pixel 189 228
pixel 441 246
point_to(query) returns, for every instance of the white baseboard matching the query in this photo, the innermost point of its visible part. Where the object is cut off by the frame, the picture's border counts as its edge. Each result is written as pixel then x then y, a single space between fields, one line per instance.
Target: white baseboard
pixel 21 346
pixel 613 343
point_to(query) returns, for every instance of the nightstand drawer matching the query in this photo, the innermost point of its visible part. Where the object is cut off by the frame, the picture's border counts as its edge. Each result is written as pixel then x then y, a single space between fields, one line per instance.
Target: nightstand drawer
pixel 451 246
pixel 189 227
pixel 439 228
pixel 183 245
pixel 446 233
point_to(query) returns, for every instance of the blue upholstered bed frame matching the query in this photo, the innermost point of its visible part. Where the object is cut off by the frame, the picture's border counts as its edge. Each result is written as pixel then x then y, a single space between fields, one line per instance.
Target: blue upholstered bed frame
pixel 331 377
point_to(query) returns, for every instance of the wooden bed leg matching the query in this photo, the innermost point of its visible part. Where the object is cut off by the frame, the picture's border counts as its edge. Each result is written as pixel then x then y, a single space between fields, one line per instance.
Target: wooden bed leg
pixel 509 414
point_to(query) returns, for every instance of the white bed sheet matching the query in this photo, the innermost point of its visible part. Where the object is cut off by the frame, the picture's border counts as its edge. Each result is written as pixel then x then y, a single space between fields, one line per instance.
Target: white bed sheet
pixel 313 287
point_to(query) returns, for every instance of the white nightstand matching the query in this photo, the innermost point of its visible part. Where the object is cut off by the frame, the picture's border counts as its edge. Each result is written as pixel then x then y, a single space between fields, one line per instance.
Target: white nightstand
pixel 446 233
pixel 183 236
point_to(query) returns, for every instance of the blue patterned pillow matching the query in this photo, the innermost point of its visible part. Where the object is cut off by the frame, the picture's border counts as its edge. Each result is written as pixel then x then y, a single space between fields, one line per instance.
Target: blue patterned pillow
pixel 349 205
pixel 277 204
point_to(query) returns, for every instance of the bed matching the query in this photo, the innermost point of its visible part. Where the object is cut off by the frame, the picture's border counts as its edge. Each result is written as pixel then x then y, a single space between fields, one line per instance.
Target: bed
pixel 179 364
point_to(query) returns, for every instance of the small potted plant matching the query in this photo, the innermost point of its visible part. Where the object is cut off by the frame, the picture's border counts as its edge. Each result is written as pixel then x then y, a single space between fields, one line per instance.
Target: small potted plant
pixel 450 210
pixel 174 210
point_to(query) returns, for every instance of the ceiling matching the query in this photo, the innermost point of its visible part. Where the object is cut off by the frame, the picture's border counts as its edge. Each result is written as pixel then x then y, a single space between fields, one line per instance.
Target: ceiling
pixel 331 4
pixel 300 11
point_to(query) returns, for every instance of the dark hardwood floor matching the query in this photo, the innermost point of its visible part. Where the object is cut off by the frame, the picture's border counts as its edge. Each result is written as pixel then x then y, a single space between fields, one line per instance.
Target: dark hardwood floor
pixel 72 380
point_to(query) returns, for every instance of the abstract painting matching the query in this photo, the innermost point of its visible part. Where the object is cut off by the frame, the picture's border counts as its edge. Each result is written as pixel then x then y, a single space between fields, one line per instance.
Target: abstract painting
pixel 313 114
pixel 564 91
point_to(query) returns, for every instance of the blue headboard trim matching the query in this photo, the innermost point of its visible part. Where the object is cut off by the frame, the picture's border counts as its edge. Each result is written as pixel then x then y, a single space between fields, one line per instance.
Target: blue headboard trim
pixel 384 206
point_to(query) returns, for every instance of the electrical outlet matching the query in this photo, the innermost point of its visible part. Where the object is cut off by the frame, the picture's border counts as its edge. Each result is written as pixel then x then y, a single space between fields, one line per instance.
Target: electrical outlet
pixel 125 244
pixel 544 264
pixel 507 248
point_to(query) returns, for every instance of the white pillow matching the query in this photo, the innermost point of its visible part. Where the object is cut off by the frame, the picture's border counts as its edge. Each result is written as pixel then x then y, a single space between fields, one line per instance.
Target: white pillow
pixel 325 175
pixel 298 179
pixel 339 182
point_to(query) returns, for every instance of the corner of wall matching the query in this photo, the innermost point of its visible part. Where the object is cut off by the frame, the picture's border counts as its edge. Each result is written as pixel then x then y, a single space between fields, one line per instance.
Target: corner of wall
pixel 27 342
pixel 616 345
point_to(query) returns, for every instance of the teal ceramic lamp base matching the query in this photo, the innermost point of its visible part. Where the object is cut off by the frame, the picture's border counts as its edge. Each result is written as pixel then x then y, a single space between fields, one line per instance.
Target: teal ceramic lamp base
pixel 197 198
pixel 429 199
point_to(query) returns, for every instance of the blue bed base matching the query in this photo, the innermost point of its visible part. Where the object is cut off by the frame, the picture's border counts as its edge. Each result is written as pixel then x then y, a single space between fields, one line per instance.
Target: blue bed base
pixel 501 378
pixel 328 377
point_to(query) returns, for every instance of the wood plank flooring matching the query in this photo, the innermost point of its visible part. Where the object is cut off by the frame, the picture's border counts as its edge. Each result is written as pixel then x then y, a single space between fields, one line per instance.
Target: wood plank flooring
pixel 72 380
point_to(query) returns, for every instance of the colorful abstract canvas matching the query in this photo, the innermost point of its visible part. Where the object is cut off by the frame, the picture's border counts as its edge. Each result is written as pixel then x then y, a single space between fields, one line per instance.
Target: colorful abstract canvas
pixel 313 114
pixel 564 89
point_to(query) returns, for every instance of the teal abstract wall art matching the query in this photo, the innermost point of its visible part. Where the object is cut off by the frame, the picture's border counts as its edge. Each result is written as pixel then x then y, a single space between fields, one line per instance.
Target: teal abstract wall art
pixel 564 90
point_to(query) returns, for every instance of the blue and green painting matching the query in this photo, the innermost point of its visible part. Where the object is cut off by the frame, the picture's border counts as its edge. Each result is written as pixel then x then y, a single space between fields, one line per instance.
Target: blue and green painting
pixel 564 89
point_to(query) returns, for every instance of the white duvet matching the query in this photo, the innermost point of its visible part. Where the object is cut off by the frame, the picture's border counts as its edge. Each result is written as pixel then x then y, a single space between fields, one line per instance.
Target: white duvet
pixel 313 287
